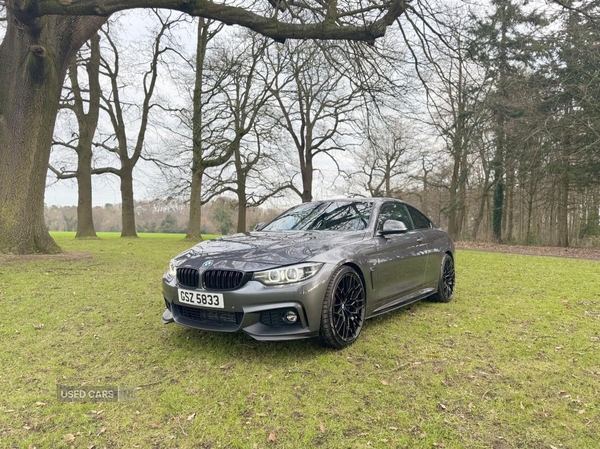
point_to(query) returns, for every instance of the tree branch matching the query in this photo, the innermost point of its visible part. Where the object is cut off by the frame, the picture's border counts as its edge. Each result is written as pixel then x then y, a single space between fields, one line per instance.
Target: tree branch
pixel 271 26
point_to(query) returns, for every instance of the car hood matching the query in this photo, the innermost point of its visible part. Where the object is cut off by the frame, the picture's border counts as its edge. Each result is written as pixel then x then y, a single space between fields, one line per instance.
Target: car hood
pixel 263 250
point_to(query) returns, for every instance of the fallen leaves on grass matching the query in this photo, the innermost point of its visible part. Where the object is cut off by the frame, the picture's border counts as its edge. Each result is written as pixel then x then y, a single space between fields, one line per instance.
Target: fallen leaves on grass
pixel 322 427
pixel 272 437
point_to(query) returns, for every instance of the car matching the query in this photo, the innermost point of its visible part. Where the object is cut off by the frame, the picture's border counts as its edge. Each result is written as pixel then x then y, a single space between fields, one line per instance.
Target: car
pixel 319 269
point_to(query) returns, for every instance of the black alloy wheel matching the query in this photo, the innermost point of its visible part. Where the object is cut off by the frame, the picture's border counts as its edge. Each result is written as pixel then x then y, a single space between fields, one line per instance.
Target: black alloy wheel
pixel 447 281
pixel 343 312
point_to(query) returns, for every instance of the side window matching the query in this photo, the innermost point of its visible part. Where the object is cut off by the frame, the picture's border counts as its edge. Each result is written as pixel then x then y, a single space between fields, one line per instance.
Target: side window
pixel 394 211
pixel 420 220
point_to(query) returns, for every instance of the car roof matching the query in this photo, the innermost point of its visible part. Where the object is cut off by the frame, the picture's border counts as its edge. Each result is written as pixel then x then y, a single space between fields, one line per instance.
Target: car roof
pixel 360 198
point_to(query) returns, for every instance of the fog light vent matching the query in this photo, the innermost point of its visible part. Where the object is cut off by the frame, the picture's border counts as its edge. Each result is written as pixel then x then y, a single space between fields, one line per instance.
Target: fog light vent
pixel 279 317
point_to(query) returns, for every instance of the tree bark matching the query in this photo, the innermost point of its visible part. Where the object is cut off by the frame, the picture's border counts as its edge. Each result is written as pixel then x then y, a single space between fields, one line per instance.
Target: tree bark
pixel 34 57
pixel 307 181
pixel 127 203
pixel 195 222
pixel 242 208
pixel 85 218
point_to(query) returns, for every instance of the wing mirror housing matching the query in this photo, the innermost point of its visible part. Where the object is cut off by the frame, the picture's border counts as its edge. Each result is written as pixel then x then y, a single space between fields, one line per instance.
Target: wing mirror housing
pixel 393 227
pixel 258 226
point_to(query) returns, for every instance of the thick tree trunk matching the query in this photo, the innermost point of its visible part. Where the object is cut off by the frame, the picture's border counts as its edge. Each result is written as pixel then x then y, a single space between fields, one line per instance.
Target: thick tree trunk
pixel 88 122
pixel 127 203
pixel 453 206
pixel 34 57
pixel 242 206
pixel 85 219
pixel 307 180
pixel 195 223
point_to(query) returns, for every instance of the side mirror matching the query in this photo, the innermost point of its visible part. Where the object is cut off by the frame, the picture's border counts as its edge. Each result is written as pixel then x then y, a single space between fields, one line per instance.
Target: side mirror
pixel 259 226
pixel 393 227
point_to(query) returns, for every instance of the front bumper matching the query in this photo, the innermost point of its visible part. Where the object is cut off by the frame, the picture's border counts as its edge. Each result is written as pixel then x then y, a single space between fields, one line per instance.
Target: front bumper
pixel 255 309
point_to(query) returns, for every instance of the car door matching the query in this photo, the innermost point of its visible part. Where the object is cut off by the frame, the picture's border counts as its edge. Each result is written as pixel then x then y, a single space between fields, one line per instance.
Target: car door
pixel 434 239
pixel 401 258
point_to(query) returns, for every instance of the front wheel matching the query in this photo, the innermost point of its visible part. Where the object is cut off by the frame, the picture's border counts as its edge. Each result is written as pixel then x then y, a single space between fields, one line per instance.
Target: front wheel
pixel 343 311
pixel 447 280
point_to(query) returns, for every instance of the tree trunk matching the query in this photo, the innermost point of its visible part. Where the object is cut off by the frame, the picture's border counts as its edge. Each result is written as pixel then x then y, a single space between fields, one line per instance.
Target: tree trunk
pixel 195 223
pixel 307 180
pixel 127 203
pixel 34 57
pixel 563 212
pixel 85 219
pixel 87 128
pixel 242 207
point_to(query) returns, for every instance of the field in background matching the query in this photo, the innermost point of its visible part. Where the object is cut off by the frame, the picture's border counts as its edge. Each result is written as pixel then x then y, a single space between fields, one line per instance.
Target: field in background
pixel 513 361
pixel 61 236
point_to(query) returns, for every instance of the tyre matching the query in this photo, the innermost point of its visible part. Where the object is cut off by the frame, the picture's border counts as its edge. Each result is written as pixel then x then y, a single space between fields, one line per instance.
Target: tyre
pixel 447 281
pixel 343 311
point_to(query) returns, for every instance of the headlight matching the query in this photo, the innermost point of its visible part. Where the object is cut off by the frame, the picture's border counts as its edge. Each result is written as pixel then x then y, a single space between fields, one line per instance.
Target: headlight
pixel 172 269
pixel 287 275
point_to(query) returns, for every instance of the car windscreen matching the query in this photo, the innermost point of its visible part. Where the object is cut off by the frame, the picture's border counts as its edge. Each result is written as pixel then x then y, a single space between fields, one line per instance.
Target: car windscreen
pixel 324 216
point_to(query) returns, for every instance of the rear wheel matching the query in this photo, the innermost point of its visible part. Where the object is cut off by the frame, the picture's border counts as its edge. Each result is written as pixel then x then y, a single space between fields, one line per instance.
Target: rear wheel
pixel 343 311
pixel 447 280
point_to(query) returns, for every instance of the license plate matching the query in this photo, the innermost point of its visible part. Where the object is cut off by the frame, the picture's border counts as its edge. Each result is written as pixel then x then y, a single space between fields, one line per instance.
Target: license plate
pixel 201 299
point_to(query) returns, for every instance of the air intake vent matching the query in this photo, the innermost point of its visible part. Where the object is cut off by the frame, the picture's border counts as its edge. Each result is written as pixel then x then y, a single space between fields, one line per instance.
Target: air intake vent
pixel 228 320
pixel 223 279
pixel 188 277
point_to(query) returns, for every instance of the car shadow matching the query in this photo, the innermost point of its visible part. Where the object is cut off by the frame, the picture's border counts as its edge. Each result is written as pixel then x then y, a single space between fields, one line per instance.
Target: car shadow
pixel 230 347
pixel 240 346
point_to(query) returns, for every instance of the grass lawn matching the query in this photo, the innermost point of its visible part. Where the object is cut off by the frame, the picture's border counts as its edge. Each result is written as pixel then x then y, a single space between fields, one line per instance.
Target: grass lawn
pixel 513 361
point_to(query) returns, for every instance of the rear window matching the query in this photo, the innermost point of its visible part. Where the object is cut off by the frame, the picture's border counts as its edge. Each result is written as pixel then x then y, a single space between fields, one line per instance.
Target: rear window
pixel 420 220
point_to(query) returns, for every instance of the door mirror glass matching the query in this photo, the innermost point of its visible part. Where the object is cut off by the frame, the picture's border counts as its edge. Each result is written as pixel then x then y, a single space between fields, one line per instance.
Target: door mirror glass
pixel 259 226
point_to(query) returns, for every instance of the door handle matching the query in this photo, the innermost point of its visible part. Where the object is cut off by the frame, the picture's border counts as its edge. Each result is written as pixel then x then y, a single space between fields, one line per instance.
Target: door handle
pixel 420 240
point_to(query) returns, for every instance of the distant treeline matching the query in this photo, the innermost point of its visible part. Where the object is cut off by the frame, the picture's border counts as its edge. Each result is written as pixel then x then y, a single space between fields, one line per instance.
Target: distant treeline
pixel 170 216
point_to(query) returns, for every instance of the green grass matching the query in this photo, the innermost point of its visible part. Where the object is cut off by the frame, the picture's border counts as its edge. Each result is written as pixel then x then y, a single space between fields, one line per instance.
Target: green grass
pixel 513 361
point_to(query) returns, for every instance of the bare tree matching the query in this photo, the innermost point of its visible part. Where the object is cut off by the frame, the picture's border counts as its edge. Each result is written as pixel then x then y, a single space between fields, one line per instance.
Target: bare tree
pixel 79 96
pixel 128 152
pixel 455 94
pixel 380 161
pixel 245 93
pixel 315 103
pixel 208 148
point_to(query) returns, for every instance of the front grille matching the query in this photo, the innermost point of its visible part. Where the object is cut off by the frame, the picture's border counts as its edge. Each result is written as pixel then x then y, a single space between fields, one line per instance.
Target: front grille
pixel 222 279
pixel 274 318
pixel 188 277
pixel 206 316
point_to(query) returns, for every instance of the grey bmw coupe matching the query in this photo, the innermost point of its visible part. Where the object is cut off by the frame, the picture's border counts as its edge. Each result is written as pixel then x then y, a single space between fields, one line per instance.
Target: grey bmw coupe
pixel 319 269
